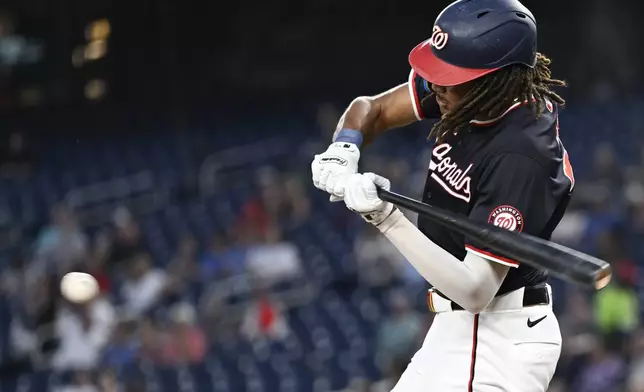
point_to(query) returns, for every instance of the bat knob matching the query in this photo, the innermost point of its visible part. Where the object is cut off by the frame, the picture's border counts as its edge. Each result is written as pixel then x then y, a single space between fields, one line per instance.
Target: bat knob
pixel 603 277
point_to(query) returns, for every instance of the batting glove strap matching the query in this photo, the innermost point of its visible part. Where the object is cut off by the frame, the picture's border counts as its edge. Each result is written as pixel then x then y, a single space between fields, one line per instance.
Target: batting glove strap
pixel 378 218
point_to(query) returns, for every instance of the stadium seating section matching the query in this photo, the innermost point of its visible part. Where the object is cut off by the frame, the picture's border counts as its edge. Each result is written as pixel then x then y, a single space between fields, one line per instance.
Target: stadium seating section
pixel 333 335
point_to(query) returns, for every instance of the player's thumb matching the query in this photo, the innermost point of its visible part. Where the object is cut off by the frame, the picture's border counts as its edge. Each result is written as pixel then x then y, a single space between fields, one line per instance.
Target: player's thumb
pixel 379 181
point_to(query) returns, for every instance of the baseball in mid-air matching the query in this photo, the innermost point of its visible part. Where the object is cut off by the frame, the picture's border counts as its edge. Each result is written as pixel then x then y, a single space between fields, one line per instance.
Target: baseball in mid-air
pixel 79 287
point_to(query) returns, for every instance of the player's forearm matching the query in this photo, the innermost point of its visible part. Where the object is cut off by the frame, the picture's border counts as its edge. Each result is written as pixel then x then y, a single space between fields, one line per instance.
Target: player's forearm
pixel 472 283
pixel 372 116
pixel 362 115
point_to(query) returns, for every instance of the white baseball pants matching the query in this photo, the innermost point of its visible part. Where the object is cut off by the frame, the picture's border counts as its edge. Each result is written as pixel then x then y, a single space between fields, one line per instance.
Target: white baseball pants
pixel 507 348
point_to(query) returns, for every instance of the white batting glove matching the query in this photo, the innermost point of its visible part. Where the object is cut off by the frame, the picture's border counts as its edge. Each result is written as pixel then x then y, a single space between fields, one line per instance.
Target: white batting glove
pixel 361 196
pixel 333 166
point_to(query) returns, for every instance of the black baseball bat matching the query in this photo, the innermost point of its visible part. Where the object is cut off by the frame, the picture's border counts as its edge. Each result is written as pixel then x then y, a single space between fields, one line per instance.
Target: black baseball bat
pixel 565 263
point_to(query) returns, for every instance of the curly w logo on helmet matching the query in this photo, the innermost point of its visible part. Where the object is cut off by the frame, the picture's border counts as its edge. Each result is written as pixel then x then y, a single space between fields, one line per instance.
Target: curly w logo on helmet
pixel 439 38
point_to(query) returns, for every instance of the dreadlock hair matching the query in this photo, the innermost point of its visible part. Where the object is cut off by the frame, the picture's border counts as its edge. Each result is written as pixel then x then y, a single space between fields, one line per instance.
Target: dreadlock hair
pixel 494 93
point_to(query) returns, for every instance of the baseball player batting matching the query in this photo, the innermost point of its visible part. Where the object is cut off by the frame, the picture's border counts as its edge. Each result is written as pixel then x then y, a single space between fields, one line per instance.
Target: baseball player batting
pixel 497 158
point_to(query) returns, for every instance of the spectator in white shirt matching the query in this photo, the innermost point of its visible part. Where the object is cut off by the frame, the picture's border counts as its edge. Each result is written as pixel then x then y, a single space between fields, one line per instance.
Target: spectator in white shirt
pixel 144 287
pixel 274 260
pixel 84 331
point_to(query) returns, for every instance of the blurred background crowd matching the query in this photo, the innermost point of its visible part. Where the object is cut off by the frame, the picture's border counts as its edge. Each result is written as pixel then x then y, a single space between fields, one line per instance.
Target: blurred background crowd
pixel 164 147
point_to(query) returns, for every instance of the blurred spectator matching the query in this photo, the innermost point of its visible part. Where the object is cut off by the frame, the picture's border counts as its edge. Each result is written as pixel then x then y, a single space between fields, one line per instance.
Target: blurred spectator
pixel 636 378
pixel 272 195
pixel 135 385
pixel 81 382
pixel 84 331
pixel 274 261
pixel 151 341
pixel 18 160
pixel 282 201
pixel 264 318
pixel 378 260
pixel 578 337
pixel 258 215
pixel 610 245
pixel 603 221
pixel 572 228
pixel 97 264
pixel 268 255
pixel 213 315
pixel 635 197
pixel 12 277
pixel 27 316
pixel 358 385
pixel 606 368
pixel 127 239
pixel 123 347
pixel 607 171
pixel 185 261
pixel 62 242
pixel 298 203
pixel 253 222
pixel 399 336
pixel 185 341
pixel 617 305
pixel 221 259
pixel 32 332
pixel 272 239
pixel 108 382
pixel 183 275
pixel 144 285
pixel 96 268
pixel 577 324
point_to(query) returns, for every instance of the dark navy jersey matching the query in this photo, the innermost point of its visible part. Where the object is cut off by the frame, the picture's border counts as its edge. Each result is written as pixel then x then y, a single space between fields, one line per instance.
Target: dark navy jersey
pixel 512 172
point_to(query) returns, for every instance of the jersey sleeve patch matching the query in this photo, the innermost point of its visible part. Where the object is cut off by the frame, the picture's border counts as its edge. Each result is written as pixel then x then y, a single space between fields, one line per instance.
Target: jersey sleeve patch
pixel 513 193
pixel 506 217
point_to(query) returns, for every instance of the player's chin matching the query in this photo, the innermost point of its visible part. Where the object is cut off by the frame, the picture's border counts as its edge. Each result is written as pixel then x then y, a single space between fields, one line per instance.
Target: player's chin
pixel 444 112
pixel 443 106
